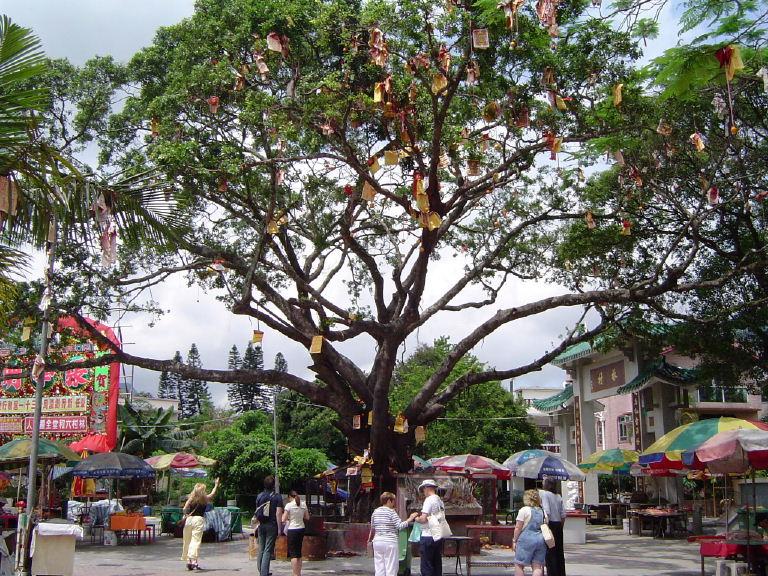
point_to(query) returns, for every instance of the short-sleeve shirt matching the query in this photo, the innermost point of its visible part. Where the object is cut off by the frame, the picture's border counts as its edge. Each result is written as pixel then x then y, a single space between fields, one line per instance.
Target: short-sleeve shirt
pixel 295 515
pixel 432 505
pixel 275 502
pixel 552 505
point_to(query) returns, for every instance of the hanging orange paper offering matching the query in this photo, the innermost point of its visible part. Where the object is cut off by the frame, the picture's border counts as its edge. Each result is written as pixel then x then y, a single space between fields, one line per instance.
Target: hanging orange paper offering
pixel 378 47
pixel 278 43
pixel 546 10
pixel 480 40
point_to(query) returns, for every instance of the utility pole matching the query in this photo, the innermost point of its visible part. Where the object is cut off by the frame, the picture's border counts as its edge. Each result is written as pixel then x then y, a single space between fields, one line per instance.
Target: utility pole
pixel 274 433
pixel 26 520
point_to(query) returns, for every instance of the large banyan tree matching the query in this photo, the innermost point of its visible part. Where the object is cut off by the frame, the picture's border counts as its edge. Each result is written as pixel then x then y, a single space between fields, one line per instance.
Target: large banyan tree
pixel 348 171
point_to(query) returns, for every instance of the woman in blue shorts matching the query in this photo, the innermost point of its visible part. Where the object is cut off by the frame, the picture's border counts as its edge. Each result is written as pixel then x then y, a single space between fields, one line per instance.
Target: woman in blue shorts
pixel 528 542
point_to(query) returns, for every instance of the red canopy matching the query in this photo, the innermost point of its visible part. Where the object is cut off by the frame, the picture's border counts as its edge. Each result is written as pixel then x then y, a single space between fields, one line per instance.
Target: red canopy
pixel 92 443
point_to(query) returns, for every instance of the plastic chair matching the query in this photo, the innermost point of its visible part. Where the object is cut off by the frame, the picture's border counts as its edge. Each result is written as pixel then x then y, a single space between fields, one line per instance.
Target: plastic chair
pixel 726 567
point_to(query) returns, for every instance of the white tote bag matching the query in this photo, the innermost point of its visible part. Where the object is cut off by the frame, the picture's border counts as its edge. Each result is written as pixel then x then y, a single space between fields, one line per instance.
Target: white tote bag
pixel 438 526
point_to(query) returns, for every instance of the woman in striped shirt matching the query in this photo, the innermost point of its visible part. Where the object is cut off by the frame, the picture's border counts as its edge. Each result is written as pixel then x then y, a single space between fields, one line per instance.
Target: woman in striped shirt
pixel 385 525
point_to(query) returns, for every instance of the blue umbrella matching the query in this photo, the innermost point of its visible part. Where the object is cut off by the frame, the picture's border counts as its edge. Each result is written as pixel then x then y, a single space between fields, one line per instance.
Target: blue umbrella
pixel 113 465
pixel 551 466
pixel 522 457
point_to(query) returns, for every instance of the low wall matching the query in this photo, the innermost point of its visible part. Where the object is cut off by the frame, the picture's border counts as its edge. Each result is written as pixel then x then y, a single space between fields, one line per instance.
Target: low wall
pixel 347 537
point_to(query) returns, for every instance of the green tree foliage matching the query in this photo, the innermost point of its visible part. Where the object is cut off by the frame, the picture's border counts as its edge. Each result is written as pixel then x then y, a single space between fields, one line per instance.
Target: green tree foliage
pixel 176 380
pixel 302 424
pixel 234 362
pixel 193 392
pixel 244 454
pixel 253 395
pixel 484 419
pixel 166 386
pixel 481 154
pixel 144 432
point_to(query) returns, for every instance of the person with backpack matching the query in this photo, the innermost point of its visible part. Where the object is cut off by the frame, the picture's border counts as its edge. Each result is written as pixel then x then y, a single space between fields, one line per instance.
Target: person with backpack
pixel 269 513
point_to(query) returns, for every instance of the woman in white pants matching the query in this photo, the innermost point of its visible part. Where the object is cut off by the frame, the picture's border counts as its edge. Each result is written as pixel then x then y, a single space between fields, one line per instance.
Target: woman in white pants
pixel 385 526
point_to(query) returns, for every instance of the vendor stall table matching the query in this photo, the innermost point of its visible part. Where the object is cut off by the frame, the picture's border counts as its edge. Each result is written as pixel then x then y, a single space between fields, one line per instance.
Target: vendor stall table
pixel 132 526
pixel 720 547
pixel 664 522
pixel 575 527
pixel 491 528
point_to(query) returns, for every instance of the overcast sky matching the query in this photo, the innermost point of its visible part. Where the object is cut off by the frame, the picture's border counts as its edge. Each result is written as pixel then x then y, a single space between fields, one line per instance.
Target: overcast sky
pixel 81 29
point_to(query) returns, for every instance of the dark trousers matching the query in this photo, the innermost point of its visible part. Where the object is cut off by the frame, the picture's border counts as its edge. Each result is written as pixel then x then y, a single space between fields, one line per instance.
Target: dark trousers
pixel 267 538
pixel 556 555
pixel 430 553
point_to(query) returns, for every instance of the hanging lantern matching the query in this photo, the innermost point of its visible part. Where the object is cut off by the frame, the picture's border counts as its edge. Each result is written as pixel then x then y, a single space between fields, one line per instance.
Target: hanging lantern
pixel 401 424
pixel 370 423
pixel 316 346
pixel 473 167
pixel 713 195
pixel 391 157
pixel 480 40
pixel 357 422
pixel 373 164
pixel 154 126
pixel 420 434
pixel 223 184
pixel 257 337
pixel 213 104
pixel 590 219
pixel 239 83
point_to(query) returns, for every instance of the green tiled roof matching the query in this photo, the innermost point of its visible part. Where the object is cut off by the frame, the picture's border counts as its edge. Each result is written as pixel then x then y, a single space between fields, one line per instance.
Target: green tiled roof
pixel 554 402
pixel 573 352
pixel 663 371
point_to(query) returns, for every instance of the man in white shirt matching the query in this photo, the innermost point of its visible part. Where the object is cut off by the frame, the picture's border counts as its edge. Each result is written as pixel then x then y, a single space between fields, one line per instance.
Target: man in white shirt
pixel 552 504
pixel 430 548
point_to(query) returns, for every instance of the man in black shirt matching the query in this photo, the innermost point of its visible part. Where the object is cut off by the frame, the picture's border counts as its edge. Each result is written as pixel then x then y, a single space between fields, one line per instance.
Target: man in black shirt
pixel 269 511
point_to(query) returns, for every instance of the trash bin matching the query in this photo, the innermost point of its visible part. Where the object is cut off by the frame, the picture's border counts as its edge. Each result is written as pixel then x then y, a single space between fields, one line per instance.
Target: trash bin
pixel 404 549
pixel 53 548
pixel 170 516
pixel 236 523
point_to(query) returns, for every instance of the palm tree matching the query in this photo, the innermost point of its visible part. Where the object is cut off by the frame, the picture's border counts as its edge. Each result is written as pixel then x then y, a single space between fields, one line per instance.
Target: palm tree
pixel 145 432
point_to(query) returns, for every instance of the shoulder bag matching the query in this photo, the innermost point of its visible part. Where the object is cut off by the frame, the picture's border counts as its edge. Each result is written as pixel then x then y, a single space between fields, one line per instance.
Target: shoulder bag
pixel 438 526
pixel 546 531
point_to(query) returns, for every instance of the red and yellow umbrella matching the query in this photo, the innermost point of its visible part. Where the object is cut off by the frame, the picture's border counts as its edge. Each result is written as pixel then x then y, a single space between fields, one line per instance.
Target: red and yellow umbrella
pixel 667 452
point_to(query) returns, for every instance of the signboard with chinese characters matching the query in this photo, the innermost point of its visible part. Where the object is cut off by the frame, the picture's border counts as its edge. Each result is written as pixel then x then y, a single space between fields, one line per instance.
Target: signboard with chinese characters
pixel 608 376
pixel 76 401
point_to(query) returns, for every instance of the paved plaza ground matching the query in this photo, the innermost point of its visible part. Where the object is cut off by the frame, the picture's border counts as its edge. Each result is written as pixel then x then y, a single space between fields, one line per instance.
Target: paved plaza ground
pixel 607 552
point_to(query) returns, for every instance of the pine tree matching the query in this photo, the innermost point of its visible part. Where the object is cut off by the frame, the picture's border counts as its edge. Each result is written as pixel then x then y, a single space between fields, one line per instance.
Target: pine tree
pixel 197 394
pixel 252 394
pixel 176 387
pixel 164 386
pixel 234 390
pixel 281 365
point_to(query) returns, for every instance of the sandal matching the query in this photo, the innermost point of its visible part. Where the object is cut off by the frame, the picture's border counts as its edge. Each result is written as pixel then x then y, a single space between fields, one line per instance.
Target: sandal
pixel 190 566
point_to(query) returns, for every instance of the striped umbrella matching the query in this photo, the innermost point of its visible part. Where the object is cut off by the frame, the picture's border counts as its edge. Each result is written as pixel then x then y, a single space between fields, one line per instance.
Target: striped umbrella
pixel 471 464
pixel 667 452
pixel 523 456
pixel 731 452
pixel 551 466
pixel 179 460
pixel 614 461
